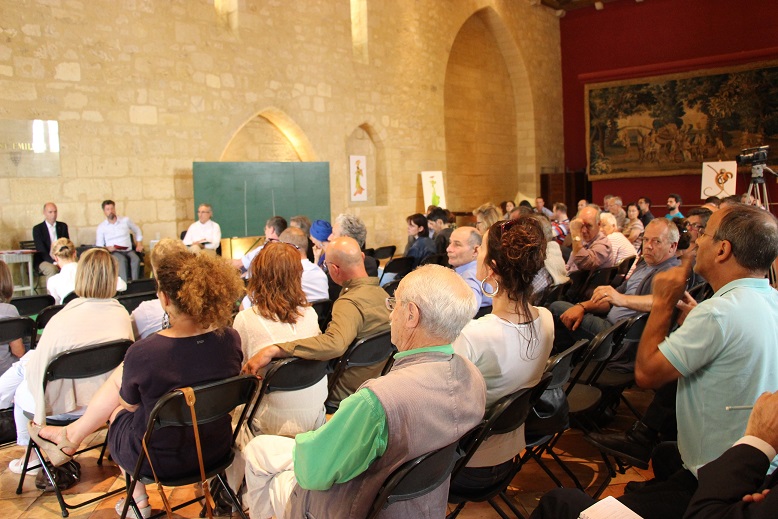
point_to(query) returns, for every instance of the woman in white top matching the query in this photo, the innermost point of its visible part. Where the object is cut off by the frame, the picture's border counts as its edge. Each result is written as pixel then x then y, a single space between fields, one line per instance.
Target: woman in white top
pixel 511 345
pixel 280 313
pixel 93 318
pixel 60 285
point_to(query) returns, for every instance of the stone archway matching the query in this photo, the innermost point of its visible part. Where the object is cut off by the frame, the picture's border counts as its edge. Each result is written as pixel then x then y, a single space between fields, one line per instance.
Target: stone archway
pixel 269 136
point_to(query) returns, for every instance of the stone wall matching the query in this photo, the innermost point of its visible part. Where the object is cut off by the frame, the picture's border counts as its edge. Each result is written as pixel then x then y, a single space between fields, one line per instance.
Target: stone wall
pixel 142 88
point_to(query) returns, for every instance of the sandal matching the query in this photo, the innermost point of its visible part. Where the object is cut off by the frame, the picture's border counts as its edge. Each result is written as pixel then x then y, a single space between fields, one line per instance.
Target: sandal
pixel 53 450
pixel 144 512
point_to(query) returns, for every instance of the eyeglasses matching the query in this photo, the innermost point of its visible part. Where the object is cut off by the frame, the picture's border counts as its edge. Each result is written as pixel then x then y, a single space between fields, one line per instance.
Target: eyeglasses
pixel 694 226
pixel 712 237
pixel 391 303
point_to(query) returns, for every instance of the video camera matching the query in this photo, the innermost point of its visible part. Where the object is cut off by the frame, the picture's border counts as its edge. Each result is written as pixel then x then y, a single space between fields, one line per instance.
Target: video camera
pixel 753 156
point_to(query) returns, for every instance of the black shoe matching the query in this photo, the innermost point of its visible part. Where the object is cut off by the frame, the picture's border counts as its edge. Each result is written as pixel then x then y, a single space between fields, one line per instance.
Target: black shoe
pixel 66 476
pixel 634 446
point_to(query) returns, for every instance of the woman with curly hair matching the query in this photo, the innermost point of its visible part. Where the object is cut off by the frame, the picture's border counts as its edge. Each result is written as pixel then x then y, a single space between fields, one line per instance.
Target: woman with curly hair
pixel 511 345
pixel 197 292
pixel 280 313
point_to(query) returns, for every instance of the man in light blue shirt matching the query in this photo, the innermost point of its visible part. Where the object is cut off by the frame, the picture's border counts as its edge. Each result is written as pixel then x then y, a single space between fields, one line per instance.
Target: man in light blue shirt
pixel 462 252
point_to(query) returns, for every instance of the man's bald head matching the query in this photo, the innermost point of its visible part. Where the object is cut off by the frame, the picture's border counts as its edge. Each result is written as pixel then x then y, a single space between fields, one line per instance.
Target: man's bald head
pixel 345 260
pixel 50 212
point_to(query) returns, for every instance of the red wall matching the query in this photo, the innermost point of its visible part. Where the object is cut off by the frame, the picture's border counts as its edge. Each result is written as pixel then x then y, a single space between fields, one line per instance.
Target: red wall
pixel 629 39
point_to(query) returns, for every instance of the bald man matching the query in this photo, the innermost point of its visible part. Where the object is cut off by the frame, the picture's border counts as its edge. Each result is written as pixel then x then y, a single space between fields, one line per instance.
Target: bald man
pixel 359 311
pixel 44 234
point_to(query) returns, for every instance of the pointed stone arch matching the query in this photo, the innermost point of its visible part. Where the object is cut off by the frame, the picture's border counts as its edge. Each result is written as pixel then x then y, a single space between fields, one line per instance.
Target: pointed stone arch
pixel 269 135
pixel 368 139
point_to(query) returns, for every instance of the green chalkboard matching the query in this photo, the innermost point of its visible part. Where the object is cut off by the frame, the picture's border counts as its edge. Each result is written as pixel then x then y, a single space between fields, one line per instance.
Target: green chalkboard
pixel 245 194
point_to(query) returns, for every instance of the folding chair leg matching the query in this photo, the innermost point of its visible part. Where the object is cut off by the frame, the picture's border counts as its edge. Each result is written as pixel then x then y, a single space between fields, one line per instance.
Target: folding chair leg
pixel 536 456
pixel 130 484
pixel 24 467
pixel 235 501
pixel 566 469
pixel 456 511
pixel 48 469
pixel 512 506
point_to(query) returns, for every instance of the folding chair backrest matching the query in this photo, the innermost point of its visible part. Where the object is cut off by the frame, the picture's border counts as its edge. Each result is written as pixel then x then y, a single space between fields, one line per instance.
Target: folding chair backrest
pixel 31 305
pixel 45 315
pixel 506 415
pixel 560 365
pixel 577 285
pixel 68 298
pixel 133 301
pixel 385 252
pixel 701 292
pixel 622 269
pixel 87 361
pixel 435 259
pixel 139 286
pixel 416 478
pixel 364 352
pixel 12 328
pixel 633 330
pixel 399 266
pixel 599 349
pixel 598 278
pixel 213 401
pixel 323 308
pixel 391 287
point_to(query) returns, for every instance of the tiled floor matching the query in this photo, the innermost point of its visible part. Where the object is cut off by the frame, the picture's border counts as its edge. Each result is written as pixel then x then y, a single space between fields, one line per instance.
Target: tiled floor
pixel 529 485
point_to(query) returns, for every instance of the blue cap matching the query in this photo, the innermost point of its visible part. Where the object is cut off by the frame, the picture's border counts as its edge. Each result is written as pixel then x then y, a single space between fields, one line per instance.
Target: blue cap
pixel 321 230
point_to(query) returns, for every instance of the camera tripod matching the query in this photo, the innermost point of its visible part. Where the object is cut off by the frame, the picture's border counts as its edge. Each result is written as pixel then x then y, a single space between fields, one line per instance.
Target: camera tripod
pixel 758 188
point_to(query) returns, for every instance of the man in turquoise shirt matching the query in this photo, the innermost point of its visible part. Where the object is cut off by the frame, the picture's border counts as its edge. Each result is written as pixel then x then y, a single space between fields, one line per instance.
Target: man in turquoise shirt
pixel 429 399
pixel 724 354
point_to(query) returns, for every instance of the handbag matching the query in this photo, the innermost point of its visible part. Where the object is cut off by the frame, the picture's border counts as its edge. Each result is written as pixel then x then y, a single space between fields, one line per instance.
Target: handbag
pixel 7 425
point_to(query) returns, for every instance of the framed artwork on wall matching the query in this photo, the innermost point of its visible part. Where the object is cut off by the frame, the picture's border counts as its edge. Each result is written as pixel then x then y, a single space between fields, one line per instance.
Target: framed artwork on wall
pixel 670 125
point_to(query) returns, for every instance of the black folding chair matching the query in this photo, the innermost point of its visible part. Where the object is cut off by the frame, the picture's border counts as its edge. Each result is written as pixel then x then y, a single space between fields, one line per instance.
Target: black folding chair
pixel 416 478
pixel 212 401
pixel 289 374
pixel 391 287
pixel 79 363
pixel 12 328
pixel 622 269
pixel 68 298
pixel 435 259
pixel 133 301
pixel 399 267
pixel 367 351
pixel 507 414
pixel 484 310
pixel 550 294
pixel 31 305
pixel 385 252
pixel 139 286
pixel 597 278
pixel 45 315
pixel 323 308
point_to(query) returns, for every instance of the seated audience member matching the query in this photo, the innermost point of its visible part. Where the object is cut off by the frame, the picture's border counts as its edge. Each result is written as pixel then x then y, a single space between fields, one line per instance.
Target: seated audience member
pixel 634 228
pixel 419 244
pixel 735 485
pixel 314 279
pixel 591 249
pixel 274 226
pixel 511 345
pixel 357 313
pixel 621 247
pixel 320 234
pixel 353 227
pixel 303 223
pixel 93 318
pixel 606 203
pixel 575 322
pixel 723 354
pixel 553 271
pixel 60 285
pixel 438 222
pixel 204 234
pixel 644 204
pixel 429 399
pixel 695 225
pixel 44 235
pixel 149 317
pixel 581 204
pixel 10 352
pixel 712 203
pixel 114 235
pixel 506 207
pixel 197 292
pixel 673 206
pixel 462 254
pixel 560 223
pixel 615 207
pixel 279 311
pixel 486 215
pixel 540 208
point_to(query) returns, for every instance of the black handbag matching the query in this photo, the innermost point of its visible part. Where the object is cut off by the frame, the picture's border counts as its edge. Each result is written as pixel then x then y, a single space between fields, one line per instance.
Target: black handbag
pixel 7 426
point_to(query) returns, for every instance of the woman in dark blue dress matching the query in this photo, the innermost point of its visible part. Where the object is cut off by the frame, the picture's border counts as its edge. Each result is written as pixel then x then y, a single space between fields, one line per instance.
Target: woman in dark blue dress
pixel 420 245
pixel 197 292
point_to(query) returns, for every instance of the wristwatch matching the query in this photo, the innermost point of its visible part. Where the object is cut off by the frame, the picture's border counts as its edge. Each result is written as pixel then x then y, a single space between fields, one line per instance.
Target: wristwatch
pixel 576 238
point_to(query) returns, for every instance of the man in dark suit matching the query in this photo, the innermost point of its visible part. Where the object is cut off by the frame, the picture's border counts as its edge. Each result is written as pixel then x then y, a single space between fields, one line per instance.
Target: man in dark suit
pixel 734 486
pixel 44 234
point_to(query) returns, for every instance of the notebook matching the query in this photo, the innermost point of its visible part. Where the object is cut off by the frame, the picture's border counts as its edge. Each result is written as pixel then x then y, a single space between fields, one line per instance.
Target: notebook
pixel 608 508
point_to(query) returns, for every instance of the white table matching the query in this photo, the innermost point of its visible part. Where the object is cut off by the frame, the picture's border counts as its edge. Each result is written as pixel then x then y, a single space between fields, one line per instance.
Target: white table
pixel 20 256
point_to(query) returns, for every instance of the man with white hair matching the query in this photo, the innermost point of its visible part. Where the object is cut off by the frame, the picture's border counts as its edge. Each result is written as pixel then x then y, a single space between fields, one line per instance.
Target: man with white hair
pixel 429 399
pixel 615 208
pixel 352 226
pixel 204 235
pixel 621 247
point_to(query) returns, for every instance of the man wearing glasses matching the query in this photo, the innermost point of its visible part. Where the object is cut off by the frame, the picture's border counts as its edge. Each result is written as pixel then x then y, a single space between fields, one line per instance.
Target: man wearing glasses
pixel 204 235
pixel 633 296
pixel 695 225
